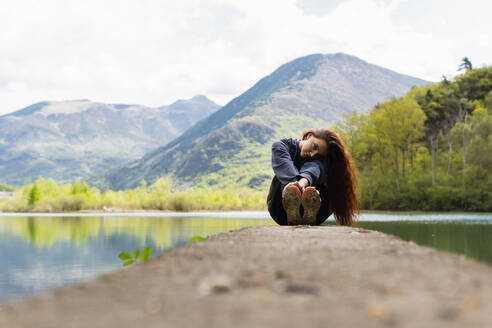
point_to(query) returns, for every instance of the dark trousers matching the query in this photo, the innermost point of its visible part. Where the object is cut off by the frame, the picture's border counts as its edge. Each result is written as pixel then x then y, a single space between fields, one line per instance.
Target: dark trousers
pixel 276 209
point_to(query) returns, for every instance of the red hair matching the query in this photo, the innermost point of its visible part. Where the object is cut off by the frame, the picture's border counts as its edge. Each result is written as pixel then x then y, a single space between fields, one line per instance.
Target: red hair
pixel 341 177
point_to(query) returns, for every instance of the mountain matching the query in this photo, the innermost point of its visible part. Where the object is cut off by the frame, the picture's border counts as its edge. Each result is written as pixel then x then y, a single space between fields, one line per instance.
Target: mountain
pixel 232 146
pixel 72 139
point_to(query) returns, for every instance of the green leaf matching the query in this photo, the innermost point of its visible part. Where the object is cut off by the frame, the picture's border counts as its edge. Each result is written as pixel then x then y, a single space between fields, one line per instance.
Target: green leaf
pixel 136 253
pixel 146 253
pixel 128 262
pixel 196 238
pixel 125 256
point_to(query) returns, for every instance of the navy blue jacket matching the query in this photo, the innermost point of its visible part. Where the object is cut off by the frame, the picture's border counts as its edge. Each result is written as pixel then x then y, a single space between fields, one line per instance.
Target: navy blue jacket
pixel 288 165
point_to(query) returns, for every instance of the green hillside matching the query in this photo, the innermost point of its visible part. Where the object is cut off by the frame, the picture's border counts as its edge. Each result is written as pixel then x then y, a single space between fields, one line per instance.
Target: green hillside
pixel 232 146
pixel 4 187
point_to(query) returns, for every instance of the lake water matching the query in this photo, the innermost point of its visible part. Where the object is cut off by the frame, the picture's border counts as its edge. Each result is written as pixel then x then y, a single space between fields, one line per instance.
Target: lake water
pixel 44 251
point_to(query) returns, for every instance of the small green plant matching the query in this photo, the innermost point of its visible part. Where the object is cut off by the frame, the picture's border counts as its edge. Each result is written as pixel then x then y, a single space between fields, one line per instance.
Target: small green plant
pixel 129 259
pixel 196 238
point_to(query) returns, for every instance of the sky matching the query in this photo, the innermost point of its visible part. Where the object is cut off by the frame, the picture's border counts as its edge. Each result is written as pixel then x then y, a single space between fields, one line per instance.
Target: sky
pixel 153 52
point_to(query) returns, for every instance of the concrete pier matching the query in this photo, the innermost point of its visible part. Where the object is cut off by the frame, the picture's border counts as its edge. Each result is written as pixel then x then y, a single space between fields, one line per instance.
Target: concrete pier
pixel 302 276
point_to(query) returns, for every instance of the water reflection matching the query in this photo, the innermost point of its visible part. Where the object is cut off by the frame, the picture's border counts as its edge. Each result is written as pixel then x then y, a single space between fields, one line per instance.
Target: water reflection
pixel 39 253
pixel 43 252
pixel 463 237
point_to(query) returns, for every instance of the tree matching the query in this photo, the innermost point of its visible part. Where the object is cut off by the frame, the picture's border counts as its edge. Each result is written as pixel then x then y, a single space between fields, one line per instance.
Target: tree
pixel 350 129
pixel 76 187
pixel 443 105
pixel 399 124
pixel 465 65
pixel 34 194
pixel 474 84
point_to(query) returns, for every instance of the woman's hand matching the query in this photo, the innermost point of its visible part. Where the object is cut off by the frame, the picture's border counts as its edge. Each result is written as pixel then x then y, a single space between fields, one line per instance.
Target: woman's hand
pixel 301 184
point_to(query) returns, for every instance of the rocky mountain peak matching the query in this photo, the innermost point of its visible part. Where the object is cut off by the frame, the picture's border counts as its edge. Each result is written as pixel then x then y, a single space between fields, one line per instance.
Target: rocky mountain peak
pixel 231 146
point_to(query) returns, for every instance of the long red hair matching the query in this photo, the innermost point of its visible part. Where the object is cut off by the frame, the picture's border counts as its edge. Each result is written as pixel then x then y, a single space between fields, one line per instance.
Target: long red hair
pixel 341 177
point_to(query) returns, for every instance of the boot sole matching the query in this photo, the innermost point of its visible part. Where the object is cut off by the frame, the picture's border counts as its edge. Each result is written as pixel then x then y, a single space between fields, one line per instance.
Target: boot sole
pixel 311 203
pixel 292 204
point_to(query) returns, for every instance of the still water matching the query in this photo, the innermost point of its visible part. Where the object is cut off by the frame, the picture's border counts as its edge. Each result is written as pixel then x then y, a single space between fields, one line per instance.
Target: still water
pixel 43 252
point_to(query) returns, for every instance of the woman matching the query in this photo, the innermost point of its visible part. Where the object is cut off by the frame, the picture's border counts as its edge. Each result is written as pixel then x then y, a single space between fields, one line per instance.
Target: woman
pixel 314 177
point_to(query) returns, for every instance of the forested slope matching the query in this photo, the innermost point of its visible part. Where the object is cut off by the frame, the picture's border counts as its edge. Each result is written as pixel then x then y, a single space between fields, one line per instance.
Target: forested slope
pixel 428 150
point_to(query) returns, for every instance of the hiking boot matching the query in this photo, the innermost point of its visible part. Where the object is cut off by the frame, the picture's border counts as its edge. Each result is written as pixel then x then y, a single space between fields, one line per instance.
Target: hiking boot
pixel 291 200
pixel 311 202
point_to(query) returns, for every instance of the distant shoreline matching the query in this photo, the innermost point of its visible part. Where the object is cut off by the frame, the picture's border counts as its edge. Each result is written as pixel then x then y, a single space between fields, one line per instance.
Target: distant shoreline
pixel 222 214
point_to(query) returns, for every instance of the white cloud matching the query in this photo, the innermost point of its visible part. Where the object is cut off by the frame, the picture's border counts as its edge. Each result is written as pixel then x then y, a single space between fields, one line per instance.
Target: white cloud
pixel 154 52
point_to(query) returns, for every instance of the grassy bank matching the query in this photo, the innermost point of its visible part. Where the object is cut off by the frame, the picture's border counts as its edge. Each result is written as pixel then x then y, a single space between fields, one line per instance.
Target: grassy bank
pixel 45 195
